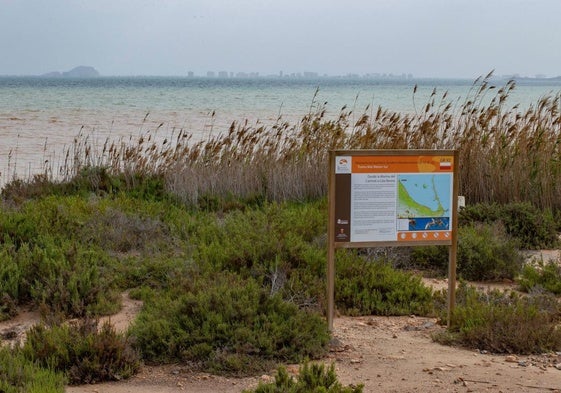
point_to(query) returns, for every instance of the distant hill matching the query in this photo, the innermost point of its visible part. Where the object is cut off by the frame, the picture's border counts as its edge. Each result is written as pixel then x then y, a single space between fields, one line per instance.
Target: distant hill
pixel 76 72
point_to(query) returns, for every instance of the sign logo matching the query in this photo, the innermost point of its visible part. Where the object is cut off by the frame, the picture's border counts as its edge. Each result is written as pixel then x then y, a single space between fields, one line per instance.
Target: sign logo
pixel 343 164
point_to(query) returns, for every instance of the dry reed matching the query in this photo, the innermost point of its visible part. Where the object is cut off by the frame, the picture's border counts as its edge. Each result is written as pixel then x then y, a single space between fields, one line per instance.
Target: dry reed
pixel 506 154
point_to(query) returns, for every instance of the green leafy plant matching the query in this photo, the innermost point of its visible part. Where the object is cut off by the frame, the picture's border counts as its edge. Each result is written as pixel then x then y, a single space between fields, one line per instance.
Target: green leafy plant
pixel 532 227
pixel 504 322
pixel 82 352
pixel 311 378
pixel 18 374
pixel 546 276
pixel 228 325
pixel 485 252
pixel 367 287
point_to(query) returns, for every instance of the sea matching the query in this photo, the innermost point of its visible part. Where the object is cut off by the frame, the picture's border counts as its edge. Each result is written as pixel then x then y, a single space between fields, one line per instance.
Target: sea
pixel 41 117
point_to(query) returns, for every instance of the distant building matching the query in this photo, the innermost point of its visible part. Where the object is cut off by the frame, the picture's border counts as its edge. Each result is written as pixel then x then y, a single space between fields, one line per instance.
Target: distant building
pixel 210 74
pixel 190 74
pixel 223 74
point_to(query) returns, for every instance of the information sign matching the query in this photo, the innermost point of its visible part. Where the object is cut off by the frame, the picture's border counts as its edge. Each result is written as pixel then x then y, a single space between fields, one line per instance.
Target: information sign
pixel 393 197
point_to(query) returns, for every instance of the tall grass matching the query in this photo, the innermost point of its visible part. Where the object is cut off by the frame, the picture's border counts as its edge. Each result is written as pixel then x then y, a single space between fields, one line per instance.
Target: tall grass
pixel 506 154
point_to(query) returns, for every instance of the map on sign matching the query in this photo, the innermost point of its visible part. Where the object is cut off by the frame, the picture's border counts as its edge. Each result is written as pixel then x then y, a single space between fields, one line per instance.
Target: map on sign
pixel 424 200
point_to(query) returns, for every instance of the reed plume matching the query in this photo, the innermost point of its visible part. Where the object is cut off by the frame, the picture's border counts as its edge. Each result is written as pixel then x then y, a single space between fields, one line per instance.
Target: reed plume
pixel 506 154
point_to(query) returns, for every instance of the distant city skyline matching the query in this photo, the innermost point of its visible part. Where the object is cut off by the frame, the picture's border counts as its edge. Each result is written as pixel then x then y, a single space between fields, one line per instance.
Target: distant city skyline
pixel 224 74
pixel 425 38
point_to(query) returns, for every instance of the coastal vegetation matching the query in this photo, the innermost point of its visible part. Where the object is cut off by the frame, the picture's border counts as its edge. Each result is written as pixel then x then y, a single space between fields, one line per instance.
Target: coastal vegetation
pixel 310 378
pixel 224 241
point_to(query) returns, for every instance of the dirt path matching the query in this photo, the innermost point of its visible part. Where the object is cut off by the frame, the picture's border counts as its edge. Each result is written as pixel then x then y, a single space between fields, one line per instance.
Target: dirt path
pixel 386 354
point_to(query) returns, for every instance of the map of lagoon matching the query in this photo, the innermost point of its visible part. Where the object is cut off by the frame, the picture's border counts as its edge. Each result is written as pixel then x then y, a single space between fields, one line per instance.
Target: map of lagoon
pixel 425 200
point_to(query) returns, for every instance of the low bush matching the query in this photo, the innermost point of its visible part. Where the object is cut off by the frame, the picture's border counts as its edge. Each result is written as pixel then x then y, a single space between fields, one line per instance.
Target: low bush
pixel 61 277
pixel 82 352
pixel 431 260
pixel 8 307
pixel 118 232
pixel 274 244
pixel 89 179
pixel 68 280
pixel 313 377
pixel 545 276
pixel 532 227
pixel 366 287
pixel 18 374
pixel 504 322
pixel 485 252
pixel 18 191
pixel 12 275
pixel 240 241
pixel 227 325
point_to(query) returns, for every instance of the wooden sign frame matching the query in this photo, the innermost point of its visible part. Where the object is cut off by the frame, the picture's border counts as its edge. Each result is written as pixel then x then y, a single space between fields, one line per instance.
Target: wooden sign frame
pixel 380 198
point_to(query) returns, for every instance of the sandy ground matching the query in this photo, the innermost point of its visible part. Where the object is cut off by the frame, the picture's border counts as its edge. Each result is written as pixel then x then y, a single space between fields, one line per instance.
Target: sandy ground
pixel 386 354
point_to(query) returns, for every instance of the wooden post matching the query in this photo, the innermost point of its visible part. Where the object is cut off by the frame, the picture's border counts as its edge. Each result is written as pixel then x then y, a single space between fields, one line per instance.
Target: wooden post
pixel 331 244
pixel 453 251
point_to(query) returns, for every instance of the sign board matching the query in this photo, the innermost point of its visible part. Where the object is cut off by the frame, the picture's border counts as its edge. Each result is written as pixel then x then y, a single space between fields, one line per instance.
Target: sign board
pixel 392 198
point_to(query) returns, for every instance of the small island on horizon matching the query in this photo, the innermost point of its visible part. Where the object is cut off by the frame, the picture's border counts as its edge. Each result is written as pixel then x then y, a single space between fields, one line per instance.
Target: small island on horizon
pixel 76 72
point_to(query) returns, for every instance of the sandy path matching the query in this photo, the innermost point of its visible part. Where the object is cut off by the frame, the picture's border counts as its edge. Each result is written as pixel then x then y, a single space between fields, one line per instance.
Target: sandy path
pixel 386 354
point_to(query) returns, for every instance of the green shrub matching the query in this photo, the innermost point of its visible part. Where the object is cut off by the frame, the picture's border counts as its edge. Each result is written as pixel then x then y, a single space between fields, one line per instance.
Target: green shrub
pixel 97 180
pixel 18 374
pixel 153 271
pixel 311 378
pixel 534 228
pixel 62 276
pixel 12 274
pixel 69 281
pixel 82 353
pixel 479 213
pixel 227 325
pixel 546 276
pixel 17 228
pixel 274 244
pixel 18 190
pixel 117 231
pixel 240 241
pixel 8 307
pixel 485 252
pixel 432 260
pixel 366 287
pixel 504 322
pixel 531 227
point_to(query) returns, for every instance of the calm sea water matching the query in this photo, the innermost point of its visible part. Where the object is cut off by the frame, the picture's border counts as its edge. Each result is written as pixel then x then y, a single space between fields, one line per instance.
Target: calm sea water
pixel 39 117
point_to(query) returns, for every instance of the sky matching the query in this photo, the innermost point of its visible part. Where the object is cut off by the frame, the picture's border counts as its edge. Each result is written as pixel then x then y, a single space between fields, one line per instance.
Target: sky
pixel 425 38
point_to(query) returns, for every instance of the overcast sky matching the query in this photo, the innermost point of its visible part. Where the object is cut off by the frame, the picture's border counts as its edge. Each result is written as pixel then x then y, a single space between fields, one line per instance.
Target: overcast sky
pixel 427 38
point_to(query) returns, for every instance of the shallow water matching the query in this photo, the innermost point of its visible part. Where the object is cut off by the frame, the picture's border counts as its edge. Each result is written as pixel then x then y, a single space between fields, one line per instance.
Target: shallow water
pixel 40 117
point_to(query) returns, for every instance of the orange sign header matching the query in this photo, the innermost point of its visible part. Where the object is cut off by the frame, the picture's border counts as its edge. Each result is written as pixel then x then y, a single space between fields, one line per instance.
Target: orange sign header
pixel 402 164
